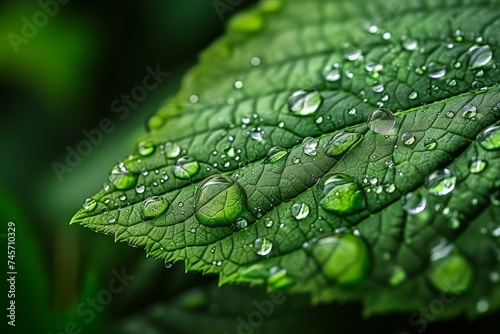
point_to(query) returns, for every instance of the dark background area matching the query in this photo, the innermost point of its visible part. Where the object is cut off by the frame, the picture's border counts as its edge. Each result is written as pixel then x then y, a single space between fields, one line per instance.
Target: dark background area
pixel 62 82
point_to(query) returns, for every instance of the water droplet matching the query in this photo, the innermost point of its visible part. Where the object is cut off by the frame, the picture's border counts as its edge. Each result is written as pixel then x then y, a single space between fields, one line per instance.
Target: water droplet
pixel 378 88
pixel 409 44
pixel 430 144
pixel 262 246
pixel 414 203
pixel 309 145
pixel 341 142
pixel 482 306
pixel 319 120
pixel 140 188
pixel 269 223
pixel 413 95
pixel 185 168
pixel 111 219
pixel 441 182
pixel 480 55
pixel 300 210
pixel 172 150
pixel 154 206
pixel 241 224
pixel 122 178
pixel 296 160
pixel 342 195
pixel 332 73
pixel 344 258
pixel 257 133
pixel 450 114
pixel 238 84
pixel 381 120
pixel 193 99
pixel 89 204
pixel 145 148
pixel 489 139
pixel 304 103
pixel 436 70
pixel 276 153
pixel 352 53
pixel 470 112
pixel 451 274
pixel 408 138
pixel 219 201
pixel 255 61
pixel 477 165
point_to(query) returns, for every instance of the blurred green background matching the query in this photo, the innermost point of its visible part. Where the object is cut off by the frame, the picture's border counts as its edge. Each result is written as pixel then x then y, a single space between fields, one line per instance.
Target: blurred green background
pixel 61 81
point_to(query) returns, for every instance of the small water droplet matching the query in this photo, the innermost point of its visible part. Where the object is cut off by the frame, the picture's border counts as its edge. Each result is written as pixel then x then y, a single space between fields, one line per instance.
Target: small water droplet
pixel 482 306
pixel 342 142
pixel 477 165
pixel 304 103
pixel 262 246
pixel 89 204
pixel 470 112
pixel 413 95
pixel 300 210
pixel 408 138
pixel 257 133
pixel 381 120
pixel 140 188
pixel 352 53
pixel 255 61
pixel 441 182
pixel 430 144
pixel 332 73
pixel 436 70
pixel 414 203
pixel 185 168
pixel 319 120
pixel 238 84
pixel 450 114
pixel 309 145
pixel 145 148
pixel 122 178
pixel 409 44
pixel 172 150
pixel 480 55
pixel 276 153
pixel 111 219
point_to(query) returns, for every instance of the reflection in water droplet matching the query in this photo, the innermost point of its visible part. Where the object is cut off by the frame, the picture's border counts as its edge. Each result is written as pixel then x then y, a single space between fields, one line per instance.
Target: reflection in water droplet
pixel 414 203
pixel 300 210
pixel 480 55
pixel 470 112
pixel 341 142
pixel 409 44
pixel 408 138
pixel 352 53
pixel 344 258
pixel 450 114
pixel 304 103
pixel 275 154
pixel 332 73
pixel 342 195
pixel 257 133
pixel 140 188
pixel 477 165
pixel 436 70
pixel 219 201
pixel 262 246
pixel 154 206
pixel 489 139
pixel 413 95
pixel 309 145
pixel 441 182
pixel 430 144
pixel 89 204
pixel 185 168
pixel 381 120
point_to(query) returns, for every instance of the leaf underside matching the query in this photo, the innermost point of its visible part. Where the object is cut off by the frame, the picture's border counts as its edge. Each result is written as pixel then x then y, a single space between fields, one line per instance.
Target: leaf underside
pixel 233 108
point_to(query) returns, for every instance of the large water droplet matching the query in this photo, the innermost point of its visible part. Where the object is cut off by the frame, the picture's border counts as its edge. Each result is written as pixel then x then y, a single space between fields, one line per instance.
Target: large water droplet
pixel 341 142
pixel 480 55
pixel 309 145
pixel 414 203
pixel 381 120
pixel 451 274
pixel 300 210
pixel 276 153
pixel 154 206
pixel 489 139
pixel 122 178
pixel 185 168
pixel 262 246
pixel 172 150
pixel 342 195
pixel 441 182
pixel 219 201
pixel 344 258
pixel 304 103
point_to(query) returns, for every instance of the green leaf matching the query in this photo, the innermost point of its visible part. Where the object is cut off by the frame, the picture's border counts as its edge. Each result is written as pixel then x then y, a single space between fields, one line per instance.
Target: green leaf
pixel 344 149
